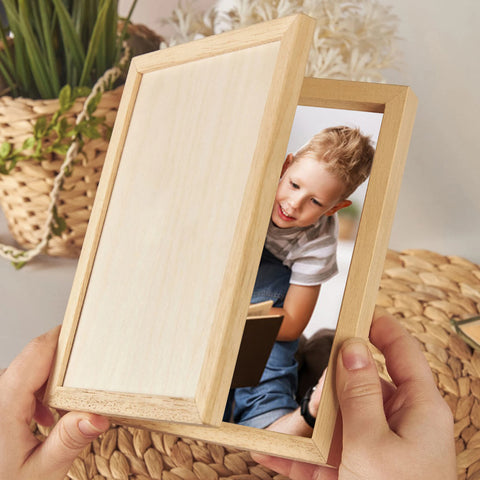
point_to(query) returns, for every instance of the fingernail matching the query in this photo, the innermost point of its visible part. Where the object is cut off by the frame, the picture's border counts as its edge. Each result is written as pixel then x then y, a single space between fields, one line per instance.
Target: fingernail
pixel 88 429
pixel 355 355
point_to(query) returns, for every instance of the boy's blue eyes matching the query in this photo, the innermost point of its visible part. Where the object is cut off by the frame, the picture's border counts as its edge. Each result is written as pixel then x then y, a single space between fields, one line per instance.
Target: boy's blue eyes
pixel 294 185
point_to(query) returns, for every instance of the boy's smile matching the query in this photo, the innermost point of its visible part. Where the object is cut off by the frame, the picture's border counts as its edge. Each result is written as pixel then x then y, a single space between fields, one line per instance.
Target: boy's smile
pixel 306 191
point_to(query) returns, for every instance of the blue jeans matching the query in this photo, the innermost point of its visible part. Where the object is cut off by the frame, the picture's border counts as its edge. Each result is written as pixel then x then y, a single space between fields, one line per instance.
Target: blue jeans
pixel 274 396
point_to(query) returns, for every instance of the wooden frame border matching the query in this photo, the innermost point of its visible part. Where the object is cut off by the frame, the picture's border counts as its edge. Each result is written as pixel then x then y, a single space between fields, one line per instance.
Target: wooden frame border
pixel 398 105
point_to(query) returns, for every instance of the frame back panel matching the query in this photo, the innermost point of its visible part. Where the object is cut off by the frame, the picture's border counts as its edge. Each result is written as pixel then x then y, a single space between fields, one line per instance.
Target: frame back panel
pixel 170 225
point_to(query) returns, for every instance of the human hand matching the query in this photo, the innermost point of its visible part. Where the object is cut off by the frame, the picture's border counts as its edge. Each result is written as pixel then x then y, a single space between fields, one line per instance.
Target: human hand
pixel 23 456
pixel 402 431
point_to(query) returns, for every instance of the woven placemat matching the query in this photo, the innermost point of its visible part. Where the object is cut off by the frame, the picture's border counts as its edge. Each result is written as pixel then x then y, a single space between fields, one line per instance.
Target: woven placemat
pixel 423 290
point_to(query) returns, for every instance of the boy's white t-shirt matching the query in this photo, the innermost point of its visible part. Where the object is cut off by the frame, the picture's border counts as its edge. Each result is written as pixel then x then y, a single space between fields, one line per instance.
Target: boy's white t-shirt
pixel 310 252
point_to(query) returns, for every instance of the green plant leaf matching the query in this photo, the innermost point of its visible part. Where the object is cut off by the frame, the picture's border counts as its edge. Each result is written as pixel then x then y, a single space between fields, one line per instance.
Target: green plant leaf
pixel 90 131
pixel 8 164
pixel 123 33
pixel 61 128
pixel 95 42
pixel 110 37
pixel 93 104
pixel 48 42
pixel 58 225
pixel 7 65
pixel 61 149
pixel 40 127
pixel 58 42
pixel 34 53
pixel 6 49
pixel 28 143
pixel 8 76
pixel 71 39
pixel 65 98
pixel 21 59
pixel 81 92
pixel 5 150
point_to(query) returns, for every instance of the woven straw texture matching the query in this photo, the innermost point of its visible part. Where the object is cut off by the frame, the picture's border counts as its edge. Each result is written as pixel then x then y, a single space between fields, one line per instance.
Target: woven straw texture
pixel 24 193
pixel 423 290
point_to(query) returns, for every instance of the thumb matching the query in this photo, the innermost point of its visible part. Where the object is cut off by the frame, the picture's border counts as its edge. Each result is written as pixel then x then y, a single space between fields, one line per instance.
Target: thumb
pixel 359 394
pixel 69 437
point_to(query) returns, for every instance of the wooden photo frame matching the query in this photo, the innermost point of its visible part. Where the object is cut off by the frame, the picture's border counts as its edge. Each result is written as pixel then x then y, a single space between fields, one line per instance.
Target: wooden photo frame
pixel 161 294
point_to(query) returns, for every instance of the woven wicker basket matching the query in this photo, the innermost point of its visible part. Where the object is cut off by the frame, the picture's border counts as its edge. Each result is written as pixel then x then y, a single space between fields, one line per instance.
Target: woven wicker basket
pixel 423 290
pixel 24 193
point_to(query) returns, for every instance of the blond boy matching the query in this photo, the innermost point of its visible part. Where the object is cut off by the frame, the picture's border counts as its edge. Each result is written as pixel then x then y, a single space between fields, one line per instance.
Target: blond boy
pixel 299 255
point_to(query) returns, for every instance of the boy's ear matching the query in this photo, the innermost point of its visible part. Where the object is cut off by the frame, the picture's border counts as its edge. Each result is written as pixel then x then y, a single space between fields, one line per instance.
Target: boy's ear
pixel 337 207
pixel 288 161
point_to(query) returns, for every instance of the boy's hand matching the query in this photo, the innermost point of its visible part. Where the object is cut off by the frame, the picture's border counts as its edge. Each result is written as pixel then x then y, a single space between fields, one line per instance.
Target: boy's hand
pixel 23 456
pixel 404 432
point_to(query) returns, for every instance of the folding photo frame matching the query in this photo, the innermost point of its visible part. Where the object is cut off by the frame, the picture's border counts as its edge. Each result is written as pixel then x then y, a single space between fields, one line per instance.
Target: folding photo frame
pixel 161 294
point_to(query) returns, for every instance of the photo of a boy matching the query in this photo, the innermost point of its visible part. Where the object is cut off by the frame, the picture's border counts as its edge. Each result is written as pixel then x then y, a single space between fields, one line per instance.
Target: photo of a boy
pixel 298 256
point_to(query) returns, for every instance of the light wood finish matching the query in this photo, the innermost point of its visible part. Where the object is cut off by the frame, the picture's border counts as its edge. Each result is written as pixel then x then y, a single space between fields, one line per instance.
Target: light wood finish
pixel 238 436
pixel 254 215
pixel 359 96
pixel 92 236
pixel 259 309
pixel 127 404
pixel 164 282
pixel 169 228
pixel 398 104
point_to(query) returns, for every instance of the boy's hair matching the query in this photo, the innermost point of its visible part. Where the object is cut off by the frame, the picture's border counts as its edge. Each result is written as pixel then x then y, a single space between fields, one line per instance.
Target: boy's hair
pixel 347 153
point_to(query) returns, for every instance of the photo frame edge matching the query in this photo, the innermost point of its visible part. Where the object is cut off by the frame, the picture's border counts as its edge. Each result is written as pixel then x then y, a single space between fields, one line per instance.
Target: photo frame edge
pixel 182 410
pixel 399 114
pixel 225 42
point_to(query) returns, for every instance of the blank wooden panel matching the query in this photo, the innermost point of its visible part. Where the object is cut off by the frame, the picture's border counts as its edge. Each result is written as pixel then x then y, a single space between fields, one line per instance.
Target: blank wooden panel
pixel 170 224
